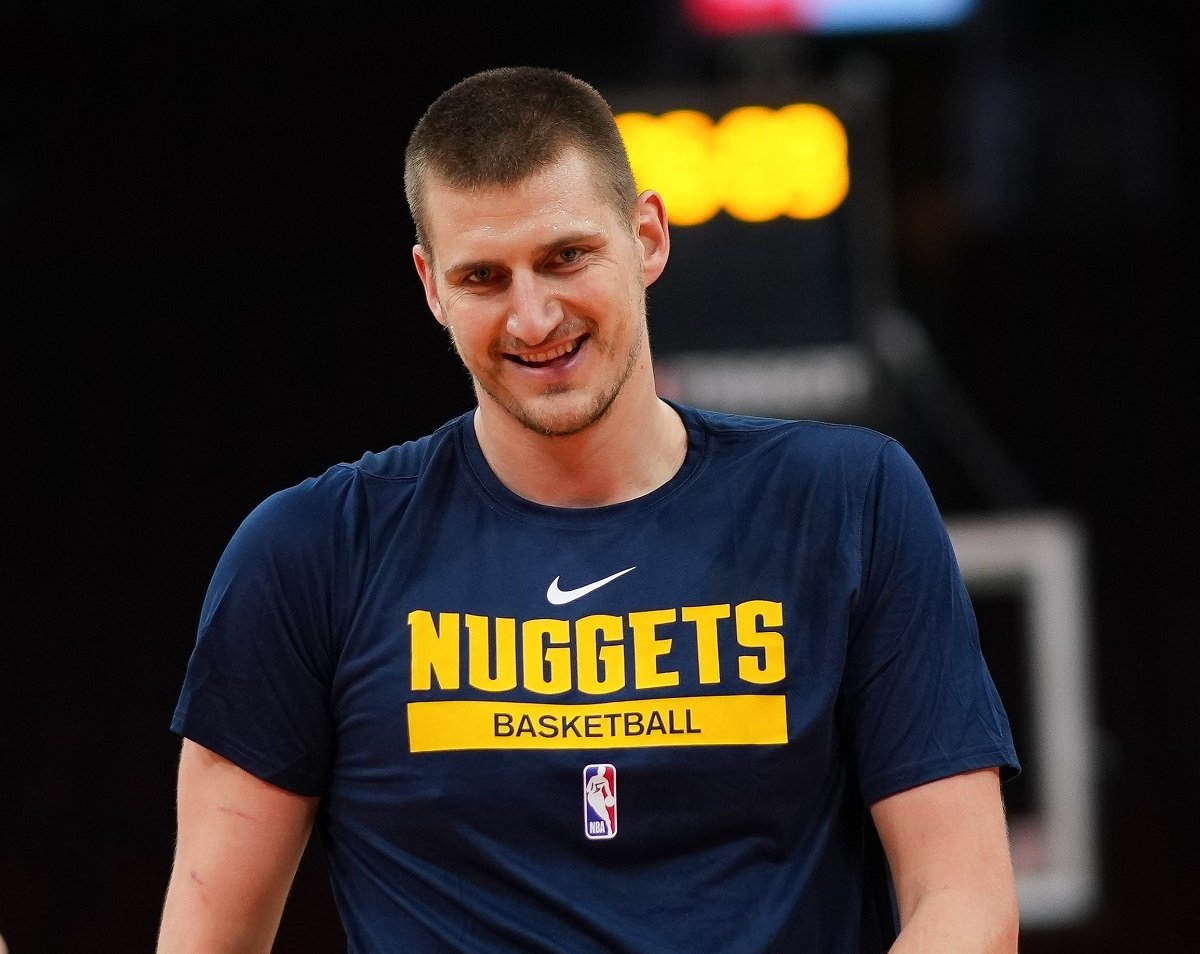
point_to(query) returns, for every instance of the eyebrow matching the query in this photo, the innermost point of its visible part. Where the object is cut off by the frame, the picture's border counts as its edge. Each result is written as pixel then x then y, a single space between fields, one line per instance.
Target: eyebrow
pixel 540 251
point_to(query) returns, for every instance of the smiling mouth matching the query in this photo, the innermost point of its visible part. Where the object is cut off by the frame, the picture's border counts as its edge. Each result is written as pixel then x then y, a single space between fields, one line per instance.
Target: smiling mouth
pixel 559 354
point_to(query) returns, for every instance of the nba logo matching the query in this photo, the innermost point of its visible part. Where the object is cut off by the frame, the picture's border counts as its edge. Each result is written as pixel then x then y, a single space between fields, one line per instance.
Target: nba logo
pixel 599 801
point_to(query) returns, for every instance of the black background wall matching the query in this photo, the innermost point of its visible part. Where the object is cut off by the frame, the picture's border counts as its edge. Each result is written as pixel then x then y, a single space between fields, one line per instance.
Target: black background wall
pixel 207 295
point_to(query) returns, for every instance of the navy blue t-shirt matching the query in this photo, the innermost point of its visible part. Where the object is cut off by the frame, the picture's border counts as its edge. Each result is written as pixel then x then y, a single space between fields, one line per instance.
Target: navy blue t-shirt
pixel 648 727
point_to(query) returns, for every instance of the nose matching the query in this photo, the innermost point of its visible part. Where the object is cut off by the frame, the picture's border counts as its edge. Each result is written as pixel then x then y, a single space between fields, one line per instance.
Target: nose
pixel 533 309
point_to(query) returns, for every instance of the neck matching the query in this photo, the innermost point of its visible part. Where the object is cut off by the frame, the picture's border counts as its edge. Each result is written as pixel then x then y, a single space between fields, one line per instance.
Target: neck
pixel 637 446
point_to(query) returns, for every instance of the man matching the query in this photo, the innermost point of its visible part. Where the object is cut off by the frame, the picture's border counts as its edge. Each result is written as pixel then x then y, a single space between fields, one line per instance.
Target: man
pixel 749 636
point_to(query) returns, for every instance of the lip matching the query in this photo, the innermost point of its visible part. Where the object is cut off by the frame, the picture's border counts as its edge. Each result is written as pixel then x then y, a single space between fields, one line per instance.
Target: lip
pixel 558 357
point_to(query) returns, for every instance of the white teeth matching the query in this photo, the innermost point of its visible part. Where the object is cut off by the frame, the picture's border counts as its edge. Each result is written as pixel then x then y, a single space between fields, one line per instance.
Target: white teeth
pixel 541 356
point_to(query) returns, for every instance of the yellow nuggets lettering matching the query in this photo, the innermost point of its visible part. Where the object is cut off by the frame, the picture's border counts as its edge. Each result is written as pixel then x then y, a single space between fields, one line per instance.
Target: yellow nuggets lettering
pixel 598 654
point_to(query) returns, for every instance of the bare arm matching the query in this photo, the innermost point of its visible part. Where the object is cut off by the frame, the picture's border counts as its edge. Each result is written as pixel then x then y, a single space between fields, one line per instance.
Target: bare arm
pixel 947 845
pixel 239 843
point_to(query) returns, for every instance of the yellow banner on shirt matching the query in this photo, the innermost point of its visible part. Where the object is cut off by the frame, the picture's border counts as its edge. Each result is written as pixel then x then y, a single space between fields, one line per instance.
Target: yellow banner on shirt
pixel 695 720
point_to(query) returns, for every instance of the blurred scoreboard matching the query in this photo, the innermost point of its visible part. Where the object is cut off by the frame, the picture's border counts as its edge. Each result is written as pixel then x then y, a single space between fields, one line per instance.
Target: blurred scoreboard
pixel 777 200
pixel 755 163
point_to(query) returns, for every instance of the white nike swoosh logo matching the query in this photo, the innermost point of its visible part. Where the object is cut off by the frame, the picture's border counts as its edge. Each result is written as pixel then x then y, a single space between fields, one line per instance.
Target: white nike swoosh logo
pixel 559 597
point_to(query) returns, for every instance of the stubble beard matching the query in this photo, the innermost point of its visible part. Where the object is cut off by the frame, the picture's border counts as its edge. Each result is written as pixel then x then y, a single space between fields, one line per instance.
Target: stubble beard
pixel 569 420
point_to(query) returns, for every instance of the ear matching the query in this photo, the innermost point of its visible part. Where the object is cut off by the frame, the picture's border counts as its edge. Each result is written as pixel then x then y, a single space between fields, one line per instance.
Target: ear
pixel 653 233
pixel 424 263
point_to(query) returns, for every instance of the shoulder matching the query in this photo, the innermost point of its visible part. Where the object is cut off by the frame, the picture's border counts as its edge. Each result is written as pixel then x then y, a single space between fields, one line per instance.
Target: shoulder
pixel 809 442
pixel 400 464
pixel 350 495
pixel 409 461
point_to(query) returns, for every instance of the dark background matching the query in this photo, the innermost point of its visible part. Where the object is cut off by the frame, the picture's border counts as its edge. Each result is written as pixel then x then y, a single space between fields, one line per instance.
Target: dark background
pixel 207 295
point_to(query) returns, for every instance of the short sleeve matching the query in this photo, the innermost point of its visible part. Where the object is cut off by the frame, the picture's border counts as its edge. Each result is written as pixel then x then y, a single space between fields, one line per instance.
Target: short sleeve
pixel 918 702
pixel 257 685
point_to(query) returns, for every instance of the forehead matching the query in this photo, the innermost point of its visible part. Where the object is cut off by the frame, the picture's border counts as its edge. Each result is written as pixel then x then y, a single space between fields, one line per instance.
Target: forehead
pixel 562 197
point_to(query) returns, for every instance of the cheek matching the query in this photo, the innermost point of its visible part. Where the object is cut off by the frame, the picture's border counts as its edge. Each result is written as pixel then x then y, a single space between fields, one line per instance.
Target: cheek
pixel 470 339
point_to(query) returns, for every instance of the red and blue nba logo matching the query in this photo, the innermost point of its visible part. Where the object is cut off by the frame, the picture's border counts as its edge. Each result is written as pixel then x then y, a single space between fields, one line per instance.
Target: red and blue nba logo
pixel 599 801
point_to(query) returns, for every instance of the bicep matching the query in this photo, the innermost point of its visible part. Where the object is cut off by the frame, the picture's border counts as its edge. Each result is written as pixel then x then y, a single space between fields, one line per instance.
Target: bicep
pixel 947 846
pixel 239 843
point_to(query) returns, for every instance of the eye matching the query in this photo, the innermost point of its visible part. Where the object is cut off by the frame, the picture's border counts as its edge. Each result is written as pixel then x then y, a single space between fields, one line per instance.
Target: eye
pixel 480 276
pixel 570 255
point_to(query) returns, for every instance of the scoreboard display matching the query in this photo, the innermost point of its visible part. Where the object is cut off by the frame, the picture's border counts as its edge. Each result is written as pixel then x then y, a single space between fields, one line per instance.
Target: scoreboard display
pixel 754 163
pixel 777 202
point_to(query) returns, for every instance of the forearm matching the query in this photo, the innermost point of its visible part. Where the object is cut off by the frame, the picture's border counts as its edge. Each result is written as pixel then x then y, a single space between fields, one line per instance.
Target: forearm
pixel 198 921
pixel 954 922
pixel 227 893
pixel 239 843
pixel 947 848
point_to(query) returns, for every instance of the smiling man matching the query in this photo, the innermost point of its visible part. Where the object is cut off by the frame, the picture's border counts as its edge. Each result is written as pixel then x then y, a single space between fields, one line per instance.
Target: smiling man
pixel 587 670
pixel 536 259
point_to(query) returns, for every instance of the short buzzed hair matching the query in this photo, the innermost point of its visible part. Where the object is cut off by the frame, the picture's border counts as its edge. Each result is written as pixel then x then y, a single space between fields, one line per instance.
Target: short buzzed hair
pixel 500 126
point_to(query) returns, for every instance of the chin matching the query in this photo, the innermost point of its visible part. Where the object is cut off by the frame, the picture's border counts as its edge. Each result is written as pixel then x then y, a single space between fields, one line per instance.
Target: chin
pixel 563 421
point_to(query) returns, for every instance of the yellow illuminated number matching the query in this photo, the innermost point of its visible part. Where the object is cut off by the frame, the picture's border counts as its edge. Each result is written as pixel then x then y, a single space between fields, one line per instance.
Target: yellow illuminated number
pixel 815 143
pixel 752 166
pixel 672 154
pixel 755 163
